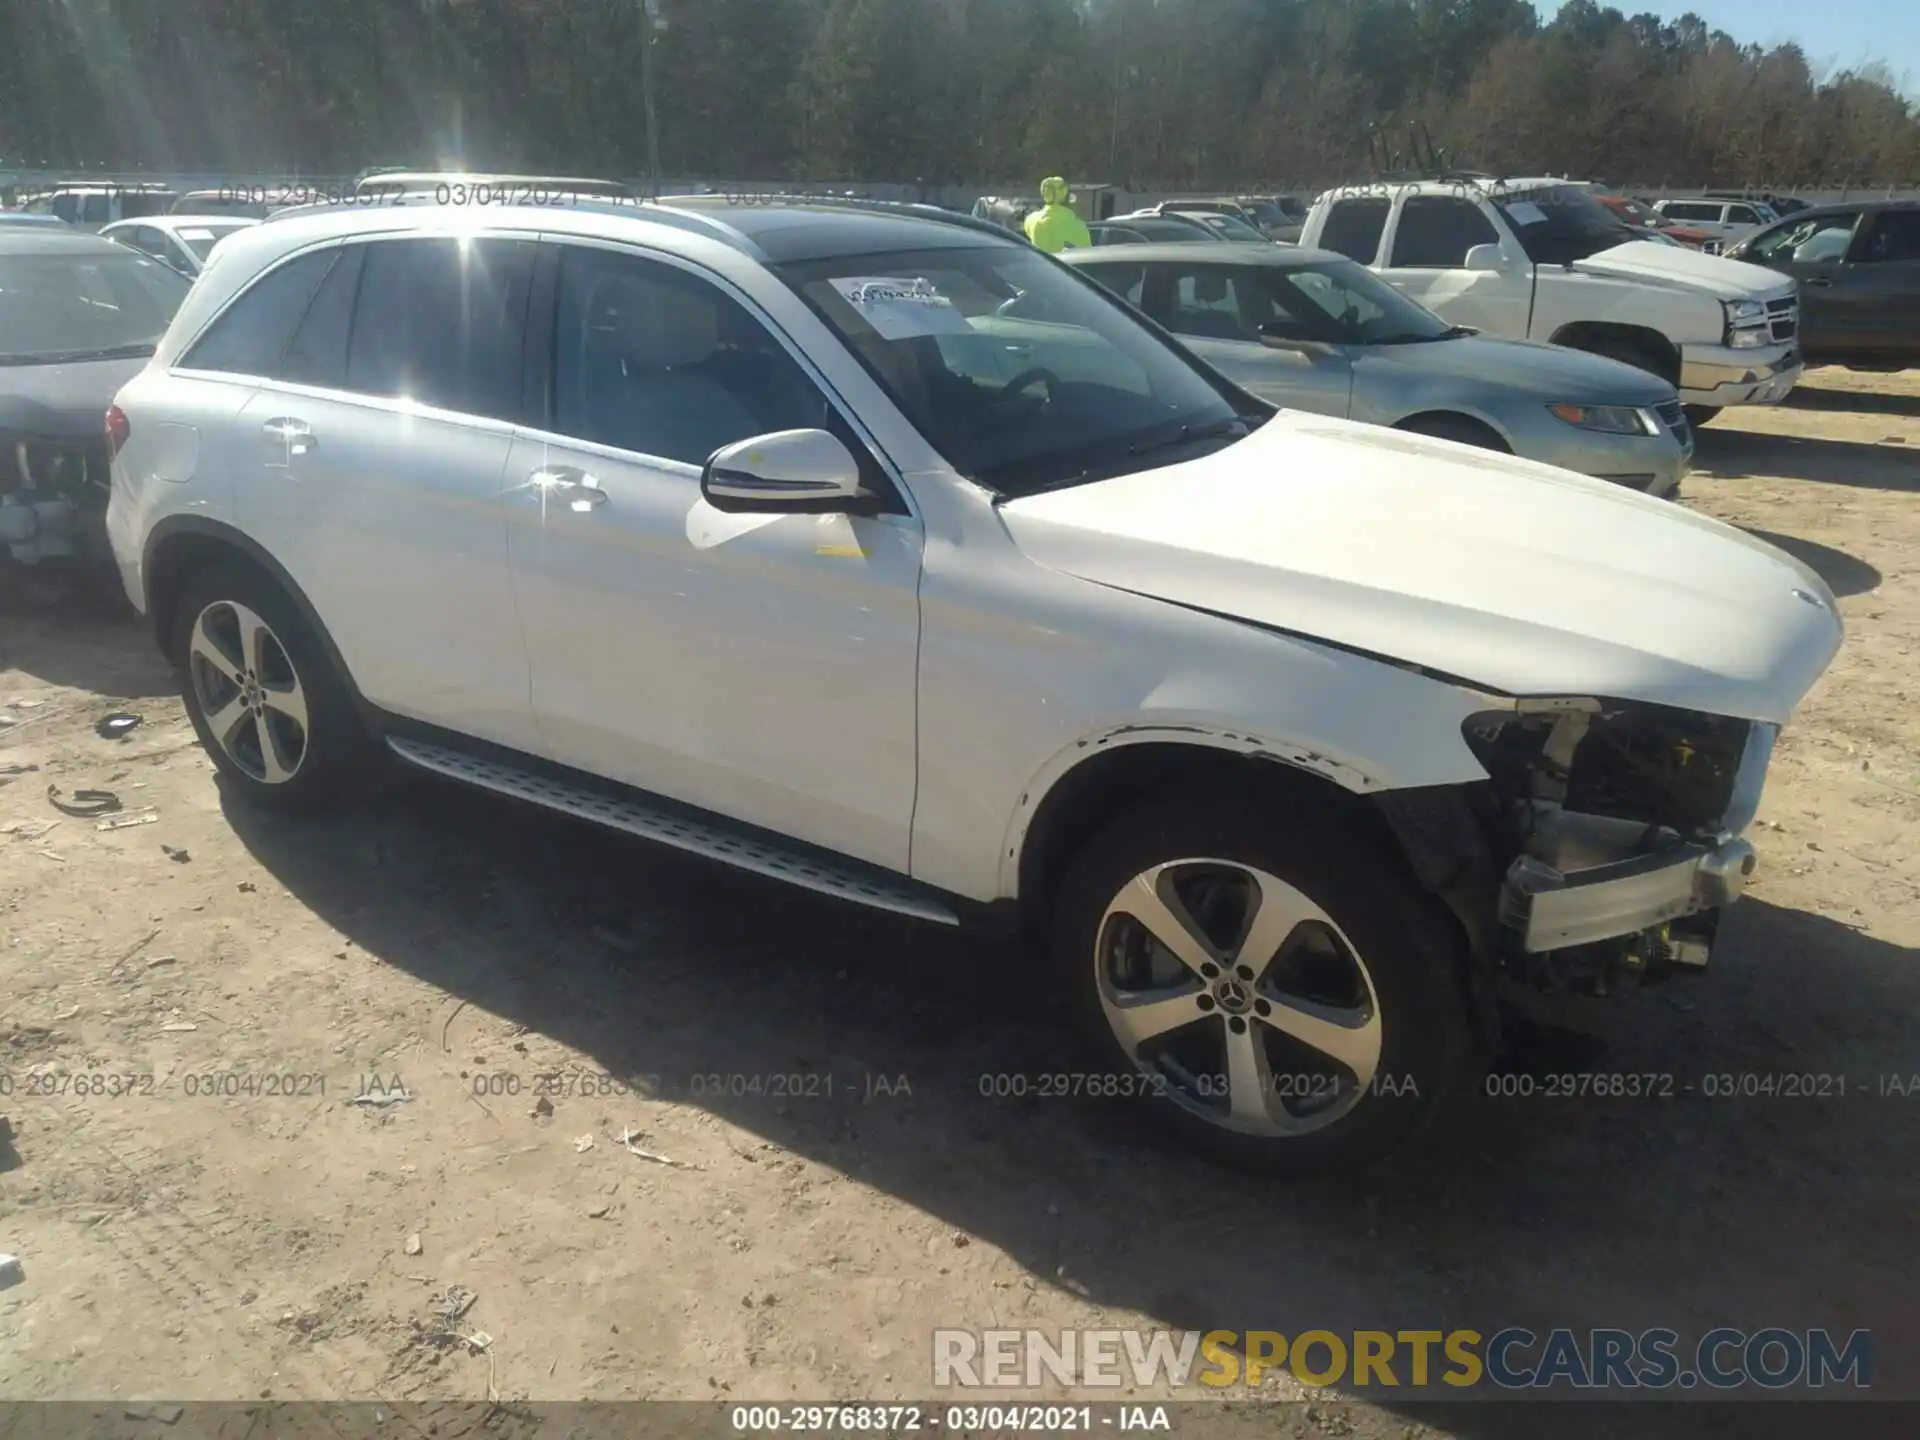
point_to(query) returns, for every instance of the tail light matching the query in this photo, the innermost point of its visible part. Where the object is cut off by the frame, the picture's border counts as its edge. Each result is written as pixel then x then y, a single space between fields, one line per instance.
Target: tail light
pixel 118 429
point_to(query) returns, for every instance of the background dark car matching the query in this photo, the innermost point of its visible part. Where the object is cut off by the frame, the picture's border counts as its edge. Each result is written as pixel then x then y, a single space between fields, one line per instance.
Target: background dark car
pixel 79 317
pixel 1859 271
pixel 1150 230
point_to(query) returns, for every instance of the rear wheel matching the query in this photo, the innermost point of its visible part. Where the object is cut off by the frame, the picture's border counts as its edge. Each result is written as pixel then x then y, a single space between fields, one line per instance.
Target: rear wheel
pixel 262 696
pixel 1277 991
pixel 1698 415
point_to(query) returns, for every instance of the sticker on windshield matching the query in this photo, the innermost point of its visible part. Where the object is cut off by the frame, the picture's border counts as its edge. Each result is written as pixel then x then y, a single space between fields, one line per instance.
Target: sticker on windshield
pixel 902 309
pixel 196 234
pixel 1525 212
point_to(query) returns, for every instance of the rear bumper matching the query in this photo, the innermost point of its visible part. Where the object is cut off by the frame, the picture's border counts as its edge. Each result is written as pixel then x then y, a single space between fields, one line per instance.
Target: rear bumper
pixel 1718 375
pixel 1548 910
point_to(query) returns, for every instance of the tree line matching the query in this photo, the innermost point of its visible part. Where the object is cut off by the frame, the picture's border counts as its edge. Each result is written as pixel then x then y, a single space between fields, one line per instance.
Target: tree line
pixel 1150 94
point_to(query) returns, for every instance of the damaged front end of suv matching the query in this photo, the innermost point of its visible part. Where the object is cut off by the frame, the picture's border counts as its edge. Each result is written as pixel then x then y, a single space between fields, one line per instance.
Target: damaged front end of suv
pixel 1602 849
pixel 1618 827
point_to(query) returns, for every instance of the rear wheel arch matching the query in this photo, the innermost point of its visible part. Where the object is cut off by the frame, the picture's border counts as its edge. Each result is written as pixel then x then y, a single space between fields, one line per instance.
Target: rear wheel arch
pixel 183 545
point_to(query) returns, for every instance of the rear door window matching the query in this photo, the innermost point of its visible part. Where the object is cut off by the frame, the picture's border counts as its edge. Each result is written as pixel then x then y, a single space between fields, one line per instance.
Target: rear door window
pixel 1895 237
pixel 443 322
pixel 1354 227
pixel 1208 304
pixel 1436 231
pixel 1126 281
pixel 252 333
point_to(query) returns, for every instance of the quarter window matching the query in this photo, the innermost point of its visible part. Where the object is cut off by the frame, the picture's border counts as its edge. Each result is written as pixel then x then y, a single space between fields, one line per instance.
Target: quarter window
pixel 1354 227
pixel 318 352
pixel 252 334
pixel 443 322
pixel 1436 231
pixel 659 362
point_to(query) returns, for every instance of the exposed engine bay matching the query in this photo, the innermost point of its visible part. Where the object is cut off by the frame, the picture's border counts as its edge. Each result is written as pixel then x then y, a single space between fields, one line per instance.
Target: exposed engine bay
pixel 1612 814
pixel 1603 847
pixel 53 498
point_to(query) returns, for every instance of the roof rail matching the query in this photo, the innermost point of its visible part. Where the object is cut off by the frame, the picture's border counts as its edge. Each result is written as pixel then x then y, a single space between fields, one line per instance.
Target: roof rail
pixel 849 202
pixel 652 210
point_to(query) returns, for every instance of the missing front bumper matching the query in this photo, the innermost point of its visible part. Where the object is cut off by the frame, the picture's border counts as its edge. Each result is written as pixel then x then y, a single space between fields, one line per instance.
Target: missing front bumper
pixel 1548 910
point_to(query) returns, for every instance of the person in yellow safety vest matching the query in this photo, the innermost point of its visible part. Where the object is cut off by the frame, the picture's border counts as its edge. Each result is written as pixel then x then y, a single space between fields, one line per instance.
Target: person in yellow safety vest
pixel 1054 227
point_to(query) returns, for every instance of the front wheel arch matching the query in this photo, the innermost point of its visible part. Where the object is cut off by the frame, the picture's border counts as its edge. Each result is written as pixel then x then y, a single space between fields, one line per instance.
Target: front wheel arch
pixel 1636 345
pixel 1458 426
pixel 1077 804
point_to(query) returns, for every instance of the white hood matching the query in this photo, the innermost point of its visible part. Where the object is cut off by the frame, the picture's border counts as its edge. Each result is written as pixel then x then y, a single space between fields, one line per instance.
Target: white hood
pixel 1678 266
pixel 1517 577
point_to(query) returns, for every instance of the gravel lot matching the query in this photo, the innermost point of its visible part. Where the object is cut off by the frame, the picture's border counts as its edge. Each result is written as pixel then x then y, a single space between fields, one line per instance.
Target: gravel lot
pixel 428 960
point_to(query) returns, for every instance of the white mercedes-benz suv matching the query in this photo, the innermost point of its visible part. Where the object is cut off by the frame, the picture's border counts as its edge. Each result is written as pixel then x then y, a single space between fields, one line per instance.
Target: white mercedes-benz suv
pixel 880 553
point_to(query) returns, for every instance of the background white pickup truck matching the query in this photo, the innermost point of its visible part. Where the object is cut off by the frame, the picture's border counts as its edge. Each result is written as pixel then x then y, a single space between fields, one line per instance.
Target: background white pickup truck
pixel 1542 260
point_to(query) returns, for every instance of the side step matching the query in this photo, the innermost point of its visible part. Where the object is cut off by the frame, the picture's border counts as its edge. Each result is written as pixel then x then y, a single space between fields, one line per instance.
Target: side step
pixel 843 879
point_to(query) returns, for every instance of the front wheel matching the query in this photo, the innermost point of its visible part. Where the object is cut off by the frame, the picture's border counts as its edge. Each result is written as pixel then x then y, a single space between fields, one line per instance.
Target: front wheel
pixel 1277 989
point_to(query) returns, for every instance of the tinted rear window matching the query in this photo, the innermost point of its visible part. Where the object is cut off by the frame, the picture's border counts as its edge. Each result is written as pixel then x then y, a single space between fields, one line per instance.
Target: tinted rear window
pixel 1354 227
pixel 252 334
pixel 318 352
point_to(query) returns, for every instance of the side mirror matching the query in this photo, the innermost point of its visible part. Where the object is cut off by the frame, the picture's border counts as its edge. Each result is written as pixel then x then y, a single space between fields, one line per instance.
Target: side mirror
pixel 1486 258
pixel 788 472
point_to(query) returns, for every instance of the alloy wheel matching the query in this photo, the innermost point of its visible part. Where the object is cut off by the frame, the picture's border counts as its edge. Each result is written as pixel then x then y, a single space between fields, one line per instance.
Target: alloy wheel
pixel 249 692
pixel 1237 995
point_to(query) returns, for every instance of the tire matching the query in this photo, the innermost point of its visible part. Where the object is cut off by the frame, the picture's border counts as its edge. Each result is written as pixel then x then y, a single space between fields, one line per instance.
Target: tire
pixel 295 741
pixel 1698 415
pixel 1400 1015
pixel 1458 428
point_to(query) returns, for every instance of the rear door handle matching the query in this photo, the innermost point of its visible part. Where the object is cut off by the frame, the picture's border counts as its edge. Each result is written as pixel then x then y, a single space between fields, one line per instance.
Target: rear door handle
pixel 296 435
pixel 573 487
pixel 1817 283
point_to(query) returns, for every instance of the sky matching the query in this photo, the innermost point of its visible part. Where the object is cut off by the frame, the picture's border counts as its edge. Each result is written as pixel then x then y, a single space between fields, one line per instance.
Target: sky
pixel 1839 33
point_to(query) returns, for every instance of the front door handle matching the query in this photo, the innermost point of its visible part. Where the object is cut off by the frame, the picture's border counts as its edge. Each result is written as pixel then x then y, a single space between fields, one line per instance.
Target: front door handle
pixel 1818 282
pixel 570 485
pixel 296 435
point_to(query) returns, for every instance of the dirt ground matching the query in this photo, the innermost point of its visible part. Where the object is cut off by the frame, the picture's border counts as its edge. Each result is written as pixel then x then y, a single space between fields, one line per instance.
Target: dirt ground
pixel 409 972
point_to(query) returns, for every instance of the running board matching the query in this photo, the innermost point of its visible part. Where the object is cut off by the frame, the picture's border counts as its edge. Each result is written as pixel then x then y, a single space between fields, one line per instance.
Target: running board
pixel 841 879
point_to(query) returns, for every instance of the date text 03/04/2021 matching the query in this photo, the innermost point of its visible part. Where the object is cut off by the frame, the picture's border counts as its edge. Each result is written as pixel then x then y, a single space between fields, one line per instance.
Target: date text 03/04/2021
pixel 969 1419
pixel 859 1086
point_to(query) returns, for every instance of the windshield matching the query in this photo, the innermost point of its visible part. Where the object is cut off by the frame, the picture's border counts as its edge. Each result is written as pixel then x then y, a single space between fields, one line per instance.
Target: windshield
pixel 1559 224
pixel 201 238
pixel 61 307
pixel 1229 227
pixel 1634 213
pixel 1023 375
pixel 1360 307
